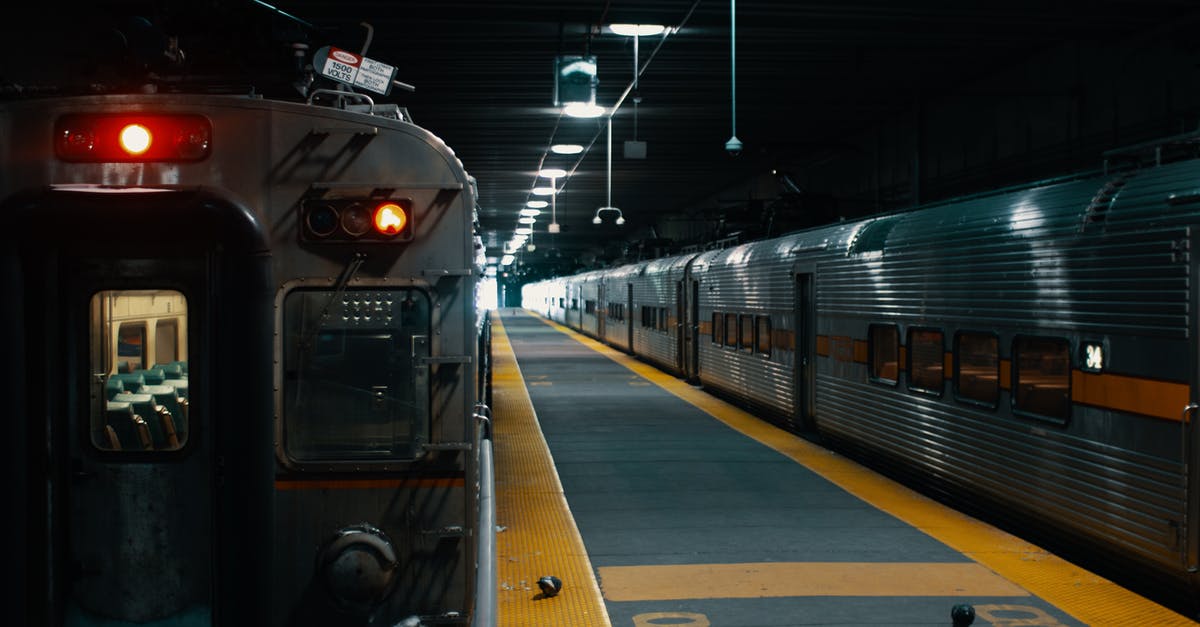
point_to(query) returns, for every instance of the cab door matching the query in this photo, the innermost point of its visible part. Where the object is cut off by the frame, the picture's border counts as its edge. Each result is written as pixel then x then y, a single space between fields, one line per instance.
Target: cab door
pixel 147 403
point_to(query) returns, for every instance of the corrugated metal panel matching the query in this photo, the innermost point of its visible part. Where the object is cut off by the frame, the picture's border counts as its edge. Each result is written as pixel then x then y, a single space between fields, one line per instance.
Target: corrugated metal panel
pixel 1020 262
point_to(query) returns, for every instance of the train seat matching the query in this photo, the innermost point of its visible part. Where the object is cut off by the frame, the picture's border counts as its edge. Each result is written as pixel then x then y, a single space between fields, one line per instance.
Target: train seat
pixel 170 371
pixel 153 376
pixel 110 438
pixel 180 385
pixel 112 387
pixel 166 396
pixel 150 411
pixel 130 429
pixel 133 382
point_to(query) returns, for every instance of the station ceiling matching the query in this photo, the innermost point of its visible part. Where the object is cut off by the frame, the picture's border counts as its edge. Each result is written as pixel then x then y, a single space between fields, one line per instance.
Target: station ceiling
pixel 807 74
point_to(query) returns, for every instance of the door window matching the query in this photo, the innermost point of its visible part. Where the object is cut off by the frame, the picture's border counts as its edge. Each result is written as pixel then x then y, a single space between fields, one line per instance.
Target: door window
pixel 139 352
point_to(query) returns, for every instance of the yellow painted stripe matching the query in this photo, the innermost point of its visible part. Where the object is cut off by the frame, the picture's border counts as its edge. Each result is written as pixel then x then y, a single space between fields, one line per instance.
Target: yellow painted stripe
pixel 1160 399
pixel 1086 596
pixel 803 579
pixel 539 536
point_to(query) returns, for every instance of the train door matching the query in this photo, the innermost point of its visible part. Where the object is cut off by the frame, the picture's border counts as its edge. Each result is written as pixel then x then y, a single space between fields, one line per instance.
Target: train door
pixel 147 374
pixel 579 306
pixel 679 329
pixel 601 310
pixel 693 317
pixel 803 345
pixel 629 316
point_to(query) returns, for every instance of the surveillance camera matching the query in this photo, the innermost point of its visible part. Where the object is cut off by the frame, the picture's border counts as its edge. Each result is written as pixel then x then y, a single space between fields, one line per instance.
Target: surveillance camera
pixel 733 146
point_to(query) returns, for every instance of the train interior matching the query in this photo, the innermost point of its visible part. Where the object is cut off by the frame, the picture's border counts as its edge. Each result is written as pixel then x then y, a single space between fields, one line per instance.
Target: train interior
pixel 139 355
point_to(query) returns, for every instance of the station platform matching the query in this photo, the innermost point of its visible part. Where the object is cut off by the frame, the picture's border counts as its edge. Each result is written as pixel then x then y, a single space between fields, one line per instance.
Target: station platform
pixel 655 503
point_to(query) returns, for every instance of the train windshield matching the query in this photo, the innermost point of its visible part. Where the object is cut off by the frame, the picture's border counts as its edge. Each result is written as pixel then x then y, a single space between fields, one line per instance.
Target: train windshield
pixel 353 380
pixel 139 370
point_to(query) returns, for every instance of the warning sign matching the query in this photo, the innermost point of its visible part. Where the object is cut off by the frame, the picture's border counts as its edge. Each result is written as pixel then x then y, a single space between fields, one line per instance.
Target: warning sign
pixel 354 70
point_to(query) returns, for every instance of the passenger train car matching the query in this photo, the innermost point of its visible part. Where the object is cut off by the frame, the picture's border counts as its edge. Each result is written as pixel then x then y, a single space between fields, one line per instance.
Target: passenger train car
pixel 1032 349
pixel 311 266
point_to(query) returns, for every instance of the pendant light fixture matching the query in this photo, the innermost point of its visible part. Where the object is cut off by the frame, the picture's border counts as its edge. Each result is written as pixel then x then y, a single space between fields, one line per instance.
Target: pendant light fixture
pixel 734 145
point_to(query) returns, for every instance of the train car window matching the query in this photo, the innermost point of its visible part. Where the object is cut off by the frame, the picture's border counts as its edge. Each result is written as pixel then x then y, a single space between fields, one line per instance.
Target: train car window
pixel 884 351
pixel 662 319
pixel 589 307
pixel 731 330
pixel 762 335
pixel 746 333
pixel 977 368
pixel 926 371
pixel 718 328
pixel 1042 376
pixel 136 407
pixel 354 382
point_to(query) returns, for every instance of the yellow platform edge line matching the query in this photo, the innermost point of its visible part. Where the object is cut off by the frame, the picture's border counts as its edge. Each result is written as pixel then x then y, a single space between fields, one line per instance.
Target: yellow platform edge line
pixel 804 579
pixel 538 534
pixel 1086 596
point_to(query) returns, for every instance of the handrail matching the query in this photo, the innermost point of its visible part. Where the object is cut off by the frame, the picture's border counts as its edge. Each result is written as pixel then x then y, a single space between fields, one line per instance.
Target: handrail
pixel 1191 478
pixel 485 545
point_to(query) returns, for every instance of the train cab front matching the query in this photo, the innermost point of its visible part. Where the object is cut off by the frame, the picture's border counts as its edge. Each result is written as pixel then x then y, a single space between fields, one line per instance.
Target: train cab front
pixel 374 389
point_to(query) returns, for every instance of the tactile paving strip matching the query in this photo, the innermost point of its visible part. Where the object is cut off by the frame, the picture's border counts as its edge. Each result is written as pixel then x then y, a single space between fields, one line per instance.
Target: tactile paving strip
pixel 537 535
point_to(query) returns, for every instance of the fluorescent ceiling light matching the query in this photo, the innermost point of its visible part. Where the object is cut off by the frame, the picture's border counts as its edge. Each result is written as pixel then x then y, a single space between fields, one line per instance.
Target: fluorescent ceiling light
pixel 641 30
pixel 566 149
pixel 526 220
pixel 543 191
pixel 537 204
pixel 530 212
pixel 552 173
pixel 506 260
pixel 583 110
pixel 524 231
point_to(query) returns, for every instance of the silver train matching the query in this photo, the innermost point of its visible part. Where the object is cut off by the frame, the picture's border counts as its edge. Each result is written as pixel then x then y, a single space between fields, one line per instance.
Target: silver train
pixel 315 266
pixel 1033 349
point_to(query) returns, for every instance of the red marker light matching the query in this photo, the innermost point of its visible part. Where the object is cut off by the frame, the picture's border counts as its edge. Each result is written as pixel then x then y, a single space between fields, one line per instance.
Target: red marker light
pixel 95 138
pixel 135 139
pixel 390 218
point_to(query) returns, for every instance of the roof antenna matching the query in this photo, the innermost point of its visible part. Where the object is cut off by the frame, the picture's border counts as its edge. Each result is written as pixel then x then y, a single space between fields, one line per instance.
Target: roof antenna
pixel 734 145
